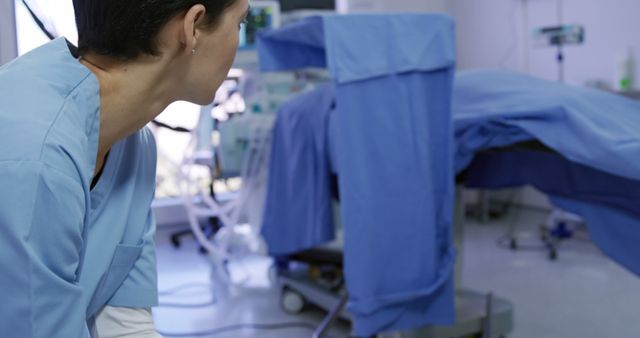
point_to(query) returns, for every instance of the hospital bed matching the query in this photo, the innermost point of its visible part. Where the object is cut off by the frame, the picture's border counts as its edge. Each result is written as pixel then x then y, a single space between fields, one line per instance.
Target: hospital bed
pixel 589 139
pixel 584 155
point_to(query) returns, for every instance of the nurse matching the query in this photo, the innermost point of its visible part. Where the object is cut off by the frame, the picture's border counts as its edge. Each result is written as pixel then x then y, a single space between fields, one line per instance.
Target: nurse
pixel 77 166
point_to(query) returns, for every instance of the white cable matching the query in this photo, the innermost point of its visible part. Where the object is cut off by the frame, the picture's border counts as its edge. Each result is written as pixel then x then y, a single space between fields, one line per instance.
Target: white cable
pixel 229 213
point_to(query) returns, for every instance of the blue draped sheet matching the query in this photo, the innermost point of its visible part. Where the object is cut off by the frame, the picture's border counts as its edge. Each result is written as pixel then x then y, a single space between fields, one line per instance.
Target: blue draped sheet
pixel 298 213
pixel 587 126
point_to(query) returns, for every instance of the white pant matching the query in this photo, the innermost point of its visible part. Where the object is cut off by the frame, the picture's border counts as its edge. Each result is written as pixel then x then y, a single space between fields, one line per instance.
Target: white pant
pixel 121 322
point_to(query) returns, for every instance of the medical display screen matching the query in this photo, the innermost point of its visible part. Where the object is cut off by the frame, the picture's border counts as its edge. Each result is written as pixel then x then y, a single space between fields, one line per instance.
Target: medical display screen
pixel 292 5
pixel 258 18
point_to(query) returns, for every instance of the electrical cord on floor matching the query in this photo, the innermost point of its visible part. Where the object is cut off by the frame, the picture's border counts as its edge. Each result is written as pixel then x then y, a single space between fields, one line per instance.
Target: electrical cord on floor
pixel 188 305
pixel 179 289
pixel 239 327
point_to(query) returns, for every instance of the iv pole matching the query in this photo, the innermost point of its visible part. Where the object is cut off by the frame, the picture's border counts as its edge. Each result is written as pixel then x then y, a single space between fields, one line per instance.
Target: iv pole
pixel 560 55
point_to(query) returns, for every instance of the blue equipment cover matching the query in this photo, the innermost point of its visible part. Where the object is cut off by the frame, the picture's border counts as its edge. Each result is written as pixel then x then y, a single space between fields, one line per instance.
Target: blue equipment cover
pixel 393 76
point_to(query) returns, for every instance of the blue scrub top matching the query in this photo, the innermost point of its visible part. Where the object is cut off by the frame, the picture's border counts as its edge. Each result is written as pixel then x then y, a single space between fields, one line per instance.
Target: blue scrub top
pixel 66 250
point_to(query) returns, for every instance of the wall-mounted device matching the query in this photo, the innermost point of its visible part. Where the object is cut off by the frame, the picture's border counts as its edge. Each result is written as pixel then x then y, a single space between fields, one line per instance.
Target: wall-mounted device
pixel 559 35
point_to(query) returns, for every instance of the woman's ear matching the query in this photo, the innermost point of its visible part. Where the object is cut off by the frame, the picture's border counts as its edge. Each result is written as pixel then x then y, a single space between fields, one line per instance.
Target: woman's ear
pixel 192 20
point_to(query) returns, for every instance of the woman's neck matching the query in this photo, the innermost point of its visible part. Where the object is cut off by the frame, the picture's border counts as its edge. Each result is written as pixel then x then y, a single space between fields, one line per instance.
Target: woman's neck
pixel 131 95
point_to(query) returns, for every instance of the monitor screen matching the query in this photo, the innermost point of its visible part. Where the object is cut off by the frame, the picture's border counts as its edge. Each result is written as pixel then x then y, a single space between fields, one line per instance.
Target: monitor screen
pixel 292 5
pixel 262 14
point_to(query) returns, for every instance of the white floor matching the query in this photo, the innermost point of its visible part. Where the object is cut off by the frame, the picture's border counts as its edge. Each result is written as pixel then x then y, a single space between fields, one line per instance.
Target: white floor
pixel 583 294
pixel 254 304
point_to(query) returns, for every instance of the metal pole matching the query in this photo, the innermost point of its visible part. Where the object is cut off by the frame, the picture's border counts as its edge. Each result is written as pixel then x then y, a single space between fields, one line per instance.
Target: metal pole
pixel 560 12
pixel 458 234
pixel 331 317
pixel 560 64
pixel 487 331
pixel 560 53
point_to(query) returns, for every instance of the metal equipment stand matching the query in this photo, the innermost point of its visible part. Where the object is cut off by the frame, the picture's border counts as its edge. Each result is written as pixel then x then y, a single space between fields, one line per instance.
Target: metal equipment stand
pixel 330 318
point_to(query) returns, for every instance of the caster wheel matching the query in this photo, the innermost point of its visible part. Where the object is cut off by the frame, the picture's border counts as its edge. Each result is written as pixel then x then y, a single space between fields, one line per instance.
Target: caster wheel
pixel 292 302
pixel 273 274
pixel 513 244
pixel 553 254
pixel 544 234
pixel 175 242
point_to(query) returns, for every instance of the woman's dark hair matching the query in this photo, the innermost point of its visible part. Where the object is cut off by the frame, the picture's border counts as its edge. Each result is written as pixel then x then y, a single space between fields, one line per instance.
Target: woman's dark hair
pixel 127 28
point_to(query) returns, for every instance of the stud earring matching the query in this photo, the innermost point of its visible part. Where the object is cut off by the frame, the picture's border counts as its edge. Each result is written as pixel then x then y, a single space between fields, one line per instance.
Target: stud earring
pixel 193 51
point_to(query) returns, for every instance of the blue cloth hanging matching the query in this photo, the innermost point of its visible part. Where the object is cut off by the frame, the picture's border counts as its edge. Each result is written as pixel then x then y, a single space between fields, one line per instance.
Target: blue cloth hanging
pixel 393 76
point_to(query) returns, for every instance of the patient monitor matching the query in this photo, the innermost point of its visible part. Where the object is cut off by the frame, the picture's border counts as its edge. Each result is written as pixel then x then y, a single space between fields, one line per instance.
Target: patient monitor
pixel 262 15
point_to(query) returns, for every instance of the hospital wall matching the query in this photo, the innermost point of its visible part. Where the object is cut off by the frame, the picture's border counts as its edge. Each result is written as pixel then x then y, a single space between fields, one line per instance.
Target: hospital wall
pixel 8 43
pixel 498 34
pixel 358 6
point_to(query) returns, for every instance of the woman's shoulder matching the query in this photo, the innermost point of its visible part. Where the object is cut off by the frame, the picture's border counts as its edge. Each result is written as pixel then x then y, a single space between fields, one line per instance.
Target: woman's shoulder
pixel 46 73
pixel 48 107
pixel 140 153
